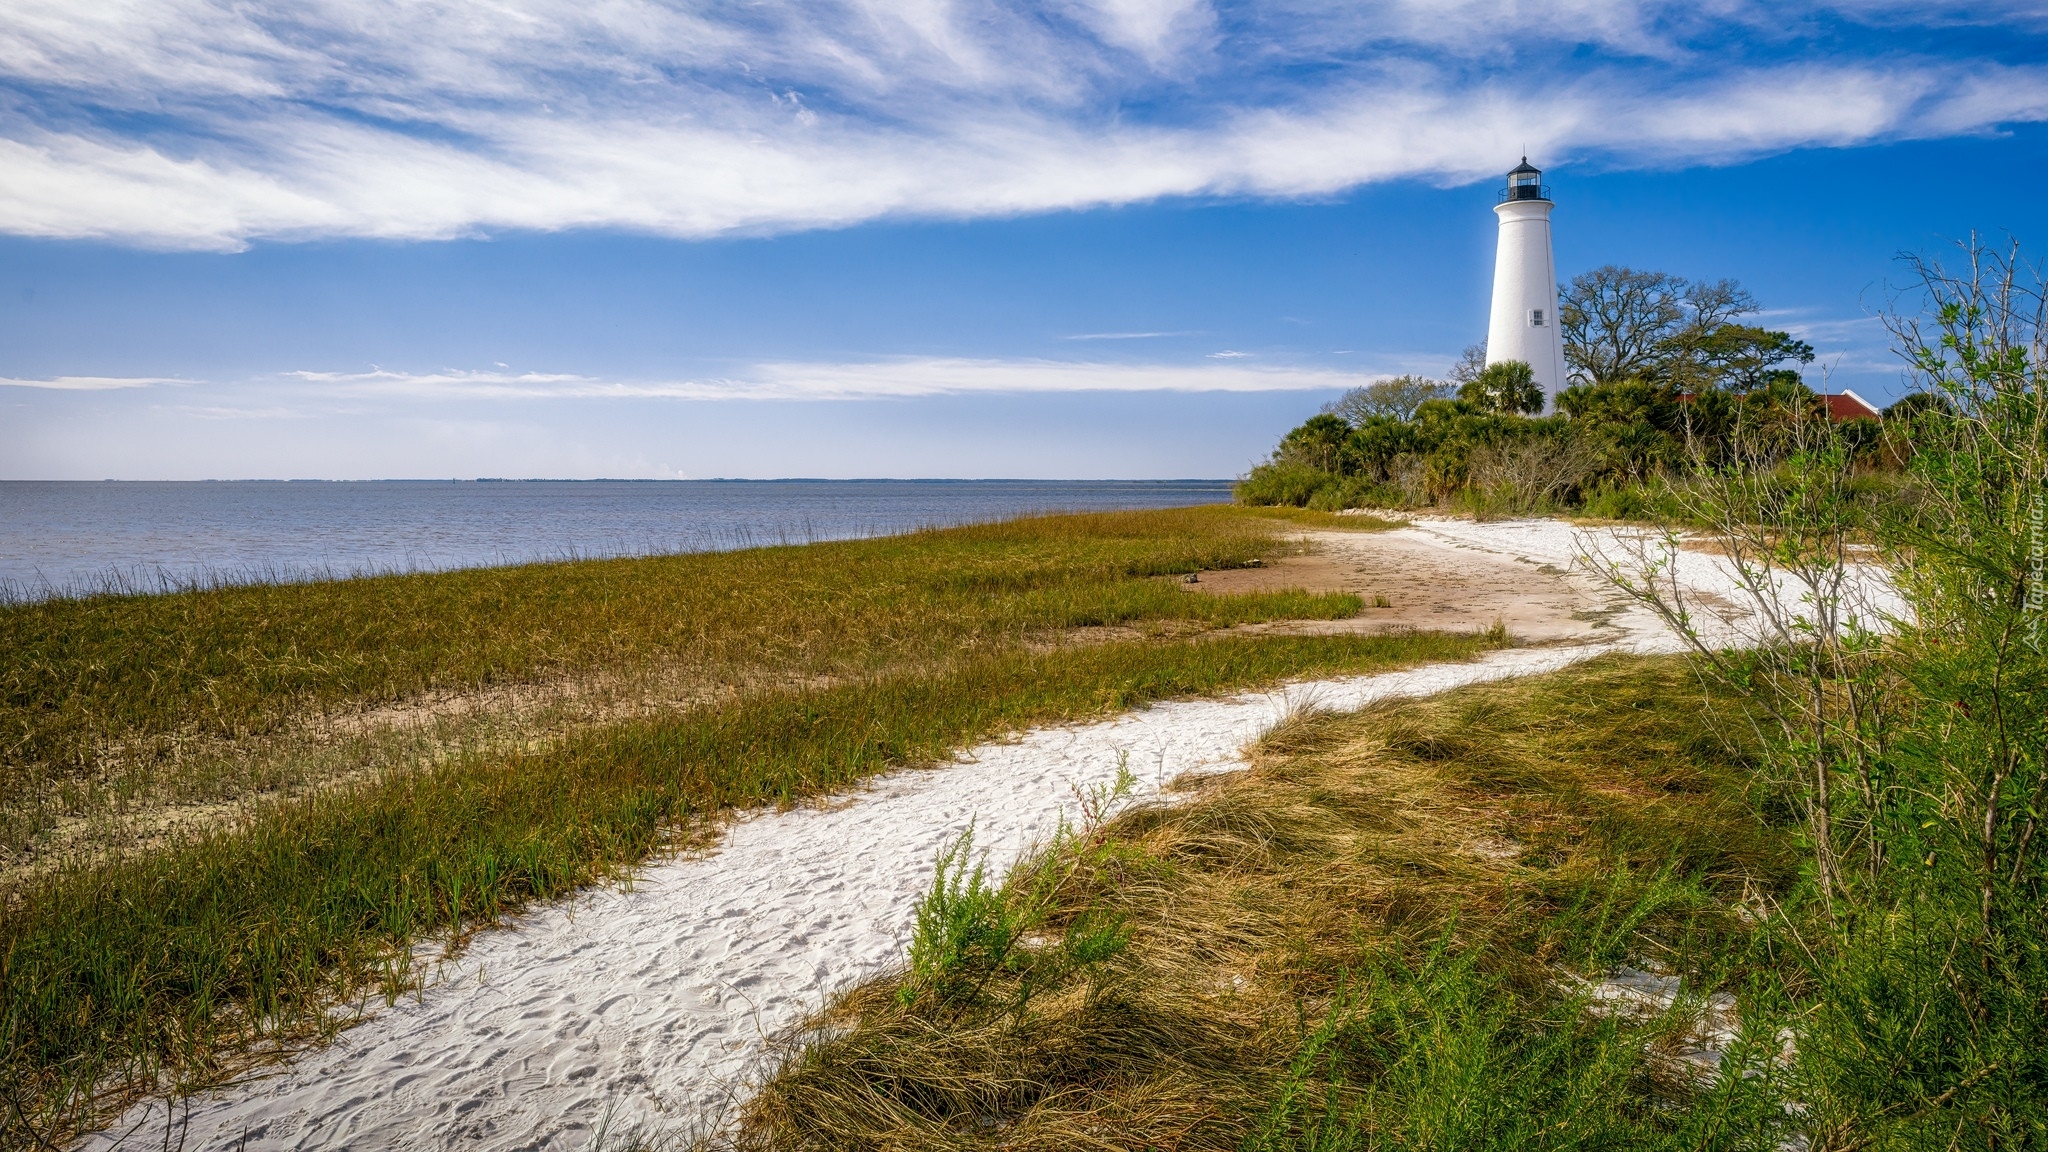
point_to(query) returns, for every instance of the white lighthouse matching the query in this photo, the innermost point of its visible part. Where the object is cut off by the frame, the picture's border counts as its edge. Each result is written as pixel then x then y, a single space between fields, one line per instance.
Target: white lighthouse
pixel 1524 322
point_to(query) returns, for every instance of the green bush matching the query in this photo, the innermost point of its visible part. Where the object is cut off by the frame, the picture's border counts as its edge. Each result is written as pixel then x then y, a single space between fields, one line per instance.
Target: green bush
pixel 1509 386
pixel 1283 482
pixel 1500 500
pixel 1355 492
pixel 1632 500
pixel 1909 735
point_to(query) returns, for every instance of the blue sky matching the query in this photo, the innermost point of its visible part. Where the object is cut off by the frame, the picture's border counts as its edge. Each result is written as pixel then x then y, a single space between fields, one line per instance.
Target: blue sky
pixel 1137 238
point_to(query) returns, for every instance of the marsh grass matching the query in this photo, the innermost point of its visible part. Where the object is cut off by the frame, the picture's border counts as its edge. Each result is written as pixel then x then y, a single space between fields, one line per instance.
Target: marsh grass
pixel 114 702
pixel 1377 936
pixel 172 968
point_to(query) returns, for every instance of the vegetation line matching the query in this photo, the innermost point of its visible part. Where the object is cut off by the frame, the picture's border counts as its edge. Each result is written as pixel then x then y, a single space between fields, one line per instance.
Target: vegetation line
pixel 1665 381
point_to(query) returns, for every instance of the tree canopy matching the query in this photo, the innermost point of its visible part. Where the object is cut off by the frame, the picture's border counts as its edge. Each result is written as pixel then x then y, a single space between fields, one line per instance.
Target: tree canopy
pixel 1509 386
pixel 1623 324
pixel 1397 398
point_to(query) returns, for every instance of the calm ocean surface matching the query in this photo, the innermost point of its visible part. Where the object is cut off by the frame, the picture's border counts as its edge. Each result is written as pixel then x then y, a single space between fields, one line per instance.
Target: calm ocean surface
pixel 58 536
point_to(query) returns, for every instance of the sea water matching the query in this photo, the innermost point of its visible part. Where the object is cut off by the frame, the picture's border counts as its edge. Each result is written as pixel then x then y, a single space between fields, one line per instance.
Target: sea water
pixel 66 537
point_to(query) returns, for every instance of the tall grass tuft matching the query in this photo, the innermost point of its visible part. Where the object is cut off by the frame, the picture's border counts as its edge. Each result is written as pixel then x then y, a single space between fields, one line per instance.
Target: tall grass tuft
pixel 969 931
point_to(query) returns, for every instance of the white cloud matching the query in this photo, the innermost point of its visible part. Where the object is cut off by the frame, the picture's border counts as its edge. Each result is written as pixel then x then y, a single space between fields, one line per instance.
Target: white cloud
pixel 899 378
pixel 233 412
pixel 1155 30
pixel 88 383
pixel 1833 331
pixel 932 376
pixel 1991 95
pixel 208 123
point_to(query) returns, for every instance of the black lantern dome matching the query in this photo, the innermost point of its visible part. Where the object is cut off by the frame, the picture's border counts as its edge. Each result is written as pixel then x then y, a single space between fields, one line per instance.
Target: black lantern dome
pixel 1525 182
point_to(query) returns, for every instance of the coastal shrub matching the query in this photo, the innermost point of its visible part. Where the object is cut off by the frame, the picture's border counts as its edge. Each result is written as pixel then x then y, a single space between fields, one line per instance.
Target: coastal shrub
pixel 1354 492
pixel 1531 475
pixel 1633 428
pixel 1283 482
pixel 1406 480
pixel 1507 387
pixel 1633 500
pixel 1499 500
pixel 1379 439
pixel 1445 471
pixel 1932 1033
pixel 1909 738
pixel 1317 444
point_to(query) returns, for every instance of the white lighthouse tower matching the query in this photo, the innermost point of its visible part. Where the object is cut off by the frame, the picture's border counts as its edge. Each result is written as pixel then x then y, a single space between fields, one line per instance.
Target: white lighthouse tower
pixel 1524 322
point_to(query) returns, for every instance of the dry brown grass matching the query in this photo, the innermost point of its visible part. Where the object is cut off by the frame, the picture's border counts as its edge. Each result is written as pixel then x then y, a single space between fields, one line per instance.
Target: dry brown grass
pixel 1568 823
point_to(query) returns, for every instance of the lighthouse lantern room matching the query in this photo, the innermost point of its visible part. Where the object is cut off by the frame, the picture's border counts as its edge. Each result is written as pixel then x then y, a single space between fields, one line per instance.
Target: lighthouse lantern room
pixel 1523 325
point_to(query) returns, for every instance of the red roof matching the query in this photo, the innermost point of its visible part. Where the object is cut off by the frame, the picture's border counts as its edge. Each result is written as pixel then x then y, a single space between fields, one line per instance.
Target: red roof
pixel 1846 405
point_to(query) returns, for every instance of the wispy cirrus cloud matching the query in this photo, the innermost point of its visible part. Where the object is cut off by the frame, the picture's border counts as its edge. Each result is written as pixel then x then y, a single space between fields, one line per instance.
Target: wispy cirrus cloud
pixel 896 378
pixel 88 383
pixel 208 123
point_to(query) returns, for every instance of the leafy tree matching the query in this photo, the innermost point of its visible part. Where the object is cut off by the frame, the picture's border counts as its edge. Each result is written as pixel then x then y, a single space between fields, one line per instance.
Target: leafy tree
pixel 1914 403
pixel 1634 427
pixel 1714 303
pixel 1620 323
pixel 1509 386
pixel 1743 359
pixel 1396 398
pixel 1378 441
pixel 1318 443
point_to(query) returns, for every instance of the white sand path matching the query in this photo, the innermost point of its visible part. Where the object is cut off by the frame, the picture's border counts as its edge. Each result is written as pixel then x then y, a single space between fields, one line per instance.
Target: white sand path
pixel 645 1010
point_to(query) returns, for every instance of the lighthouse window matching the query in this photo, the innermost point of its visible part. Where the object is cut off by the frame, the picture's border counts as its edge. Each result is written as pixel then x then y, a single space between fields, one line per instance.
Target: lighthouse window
pixel 1536 318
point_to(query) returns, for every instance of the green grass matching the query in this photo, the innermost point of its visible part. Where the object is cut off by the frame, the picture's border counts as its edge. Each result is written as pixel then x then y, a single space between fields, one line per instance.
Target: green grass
pixel 77 674
pixel 115 701
pixel 1369 940
pixel 167 966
